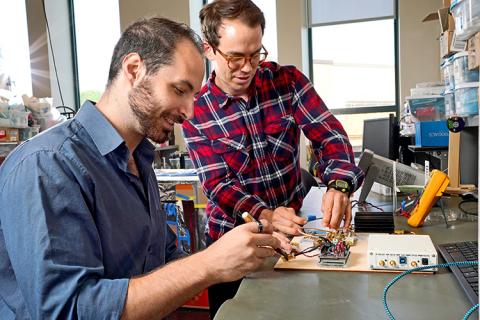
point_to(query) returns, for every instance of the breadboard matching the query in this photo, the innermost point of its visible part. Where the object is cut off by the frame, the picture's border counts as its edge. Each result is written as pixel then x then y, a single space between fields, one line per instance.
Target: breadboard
pixel 357 262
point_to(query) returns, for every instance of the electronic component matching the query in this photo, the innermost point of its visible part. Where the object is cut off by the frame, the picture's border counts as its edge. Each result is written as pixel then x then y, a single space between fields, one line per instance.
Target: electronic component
pixel 433 191
pixel 400 252
pixel 334 260
pixel 332 247
pixel 374 222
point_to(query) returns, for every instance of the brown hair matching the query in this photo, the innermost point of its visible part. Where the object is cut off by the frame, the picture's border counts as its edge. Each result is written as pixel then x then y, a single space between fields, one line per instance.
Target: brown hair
pixel 155 40
pixel 212 14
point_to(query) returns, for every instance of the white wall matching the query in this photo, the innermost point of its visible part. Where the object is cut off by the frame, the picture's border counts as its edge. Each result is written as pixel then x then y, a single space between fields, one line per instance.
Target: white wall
pixel 176 10
pixel 419 47
pixel 293 44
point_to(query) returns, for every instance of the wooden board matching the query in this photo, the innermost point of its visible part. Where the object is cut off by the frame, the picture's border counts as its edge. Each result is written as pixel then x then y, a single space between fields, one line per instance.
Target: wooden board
pixel 357 262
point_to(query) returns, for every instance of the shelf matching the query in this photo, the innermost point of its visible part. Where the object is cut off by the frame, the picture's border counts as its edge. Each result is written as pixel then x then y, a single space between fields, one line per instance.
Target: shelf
pixel 415 148
pixel 8 143
pixel 167 148
pixel 471 121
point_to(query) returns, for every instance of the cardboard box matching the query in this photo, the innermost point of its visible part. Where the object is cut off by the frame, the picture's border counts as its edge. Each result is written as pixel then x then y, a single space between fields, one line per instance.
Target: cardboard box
pixel 187 192
pixel 431 134
pixel 473 48
pixel 9 135
pixel 447 23
pixel 445 44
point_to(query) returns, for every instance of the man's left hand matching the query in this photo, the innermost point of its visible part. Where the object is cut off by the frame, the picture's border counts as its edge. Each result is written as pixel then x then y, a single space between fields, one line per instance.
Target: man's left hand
pixel 336 207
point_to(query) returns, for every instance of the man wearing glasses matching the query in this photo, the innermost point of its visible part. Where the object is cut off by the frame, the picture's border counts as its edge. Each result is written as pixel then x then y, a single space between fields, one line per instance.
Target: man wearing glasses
pixel 244 137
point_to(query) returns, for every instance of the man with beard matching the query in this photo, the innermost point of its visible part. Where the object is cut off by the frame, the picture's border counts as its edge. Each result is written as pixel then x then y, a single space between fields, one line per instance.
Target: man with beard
pixel 82 233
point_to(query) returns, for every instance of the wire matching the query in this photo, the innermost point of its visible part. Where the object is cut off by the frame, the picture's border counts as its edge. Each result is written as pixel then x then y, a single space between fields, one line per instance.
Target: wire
pixel 364 205
pixel 443 265
pixel 53 55
pixel 465 211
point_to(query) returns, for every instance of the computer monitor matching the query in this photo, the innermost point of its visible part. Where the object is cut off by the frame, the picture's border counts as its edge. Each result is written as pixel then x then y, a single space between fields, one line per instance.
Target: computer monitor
pixel 380 169
pixel 381 136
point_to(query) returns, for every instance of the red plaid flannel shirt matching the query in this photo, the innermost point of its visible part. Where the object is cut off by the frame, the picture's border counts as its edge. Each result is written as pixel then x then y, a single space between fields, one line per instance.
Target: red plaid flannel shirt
pixel 247 153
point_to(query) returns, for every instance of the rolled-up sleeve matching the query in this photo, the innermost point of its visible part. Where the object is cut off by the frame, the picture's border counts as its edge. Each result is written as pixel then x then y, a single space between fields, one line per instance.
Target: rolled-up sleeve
pixel 330 142
pixel 52 242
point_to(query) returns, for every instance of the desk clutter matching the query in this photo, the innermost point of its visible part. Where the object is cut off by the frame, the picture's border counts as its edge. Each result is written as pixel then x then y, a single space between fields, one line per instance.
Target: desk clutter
pixel 361 252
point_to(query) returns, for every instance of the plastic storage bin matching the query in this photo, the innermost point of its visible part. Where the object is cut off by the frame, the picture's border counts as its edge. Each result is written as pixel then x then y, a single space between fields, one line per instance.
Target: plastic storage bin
pixel 427 91
pixel 444 69
pixel 19 119
pixel 466 99
pixel 461 74
pixel 13 118
pixel 449 96
pixel 427 108
pixel 466 14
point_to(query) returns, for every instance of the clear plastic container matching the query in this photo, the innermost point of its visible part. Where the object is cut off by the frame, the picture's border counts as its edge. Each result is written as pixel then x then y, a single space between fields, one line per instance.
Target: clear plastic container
pixel 449 102
pixel 427 91
pixel 18 119
pixel 451 76
pixel 466 99
pixel 427 108
pixel 28 133
pixel 461 74
pixel 445 79
pixel 466 14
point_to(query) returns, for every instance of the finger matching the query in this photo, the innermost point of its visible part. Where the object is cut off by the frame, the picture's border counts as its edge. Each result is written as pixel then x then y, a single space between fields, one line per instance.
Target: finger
pixel 266 240
pixel 254 228
pixel 337 212
pixel 267 226
pixel 289 214
pixel 327 205
pixel 264 252
pixel 348 215
pixel 290 228
pixel 284 222
pixel 299 220
pixel 284 241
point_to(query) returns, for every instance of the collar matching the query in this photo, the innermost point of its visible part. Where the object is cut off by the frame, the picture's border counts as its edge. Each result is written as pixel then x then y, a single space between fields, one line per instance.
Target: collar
pixel 106 137
pixel 103 134
pixel 222 97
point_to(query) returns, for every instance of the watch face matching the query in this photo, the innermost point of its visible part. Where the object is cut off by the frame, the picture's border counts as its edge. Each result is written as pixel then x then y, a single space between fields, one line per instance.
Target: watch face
pixel 342 184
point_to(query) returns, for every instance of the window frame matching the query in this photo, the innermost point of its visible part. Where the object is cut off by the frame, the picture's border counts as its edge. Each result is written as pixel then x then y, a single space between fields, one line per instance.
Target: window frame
pixel 357 110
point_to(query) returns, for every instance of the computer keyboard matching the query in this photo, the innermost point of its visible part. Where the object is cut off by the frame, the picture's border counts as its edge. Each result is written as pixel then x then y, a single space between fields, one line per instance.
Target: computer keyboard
pixel 467 276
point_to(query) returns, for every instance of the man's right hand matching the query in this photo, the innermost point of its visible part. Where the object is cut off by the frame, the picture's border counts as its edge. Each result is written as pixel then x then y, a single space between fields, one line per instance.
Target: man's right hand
pixel 240 251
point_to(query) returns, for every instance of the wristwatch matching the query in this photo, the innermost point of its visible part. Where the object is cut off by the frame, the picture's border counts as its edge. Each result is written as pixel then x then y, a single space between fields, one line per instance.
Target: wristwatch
pixel 340 185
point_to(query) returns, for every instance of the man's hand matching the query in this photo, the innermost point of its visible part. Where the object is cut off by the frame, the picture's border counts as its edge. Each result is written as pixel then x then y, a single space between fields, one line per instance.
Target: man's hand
pixel 284 220
pixel 241 250
pixel 336 207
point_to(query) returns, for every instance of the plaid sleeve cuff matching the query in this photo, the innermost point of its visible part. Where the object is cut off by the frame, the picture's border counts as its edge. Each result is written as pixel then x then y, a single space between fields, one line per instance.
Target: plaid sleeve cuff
pixel 340 170
pixel 252 205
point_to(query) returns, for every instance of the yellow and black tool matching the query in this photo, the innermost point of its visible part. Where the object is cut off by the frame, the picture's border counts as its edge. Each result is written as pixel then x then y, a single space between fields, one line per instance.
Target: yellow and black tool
pixel 433 191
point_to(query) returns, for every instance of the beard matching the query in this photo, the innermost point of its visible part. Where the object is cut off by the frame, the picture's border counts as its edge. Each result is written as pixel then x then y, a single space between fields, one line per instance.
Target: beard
pixel 145 109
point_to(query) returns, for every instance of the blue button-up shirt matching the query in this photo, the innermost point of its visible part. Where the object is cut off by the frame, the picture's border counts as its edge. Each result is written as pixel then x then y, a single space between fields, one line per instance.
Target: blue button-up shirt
pixel 75 224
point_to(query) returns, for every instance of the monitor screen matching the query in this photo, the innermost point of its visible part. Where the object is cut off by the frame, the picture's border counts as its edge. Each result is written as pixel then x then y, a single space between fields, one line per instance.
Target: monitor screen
pixel 379 136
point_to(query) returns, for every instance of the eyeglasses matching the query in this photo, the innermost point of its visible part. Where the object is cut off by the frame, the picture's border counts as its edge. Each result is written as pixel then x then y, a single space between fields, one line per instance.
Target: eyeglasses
pixel 238 62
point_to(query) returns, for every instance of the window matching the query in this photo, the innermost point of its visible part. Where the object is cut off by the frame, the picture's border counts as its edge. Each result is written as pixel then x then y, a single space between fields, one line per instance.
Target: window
pixel 269 9
pixel 97 30
pixel 354 64
pixel 354 71
pixel 15 71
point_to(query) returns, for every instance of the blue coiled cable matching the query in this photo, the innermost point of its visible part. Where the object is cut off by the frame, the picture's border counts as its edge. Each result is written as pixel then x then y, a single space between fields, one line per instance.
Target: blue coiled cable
pixel 443 265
